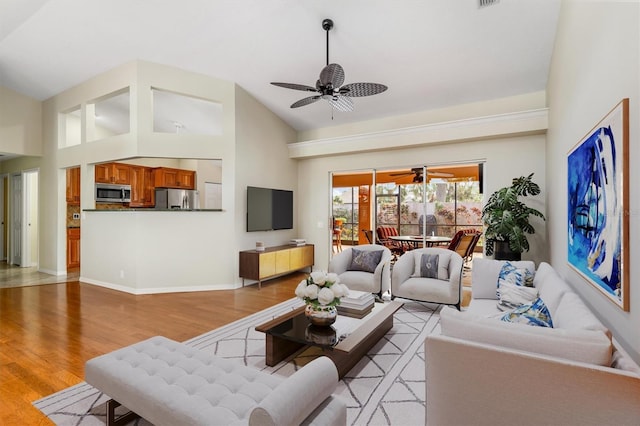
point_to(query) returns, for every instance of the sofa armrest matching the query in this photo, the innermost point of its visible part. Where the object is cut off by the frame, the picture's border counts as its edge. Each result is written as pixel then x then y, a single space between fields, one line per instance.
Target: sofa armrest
pixel 474 382
pixel 298 395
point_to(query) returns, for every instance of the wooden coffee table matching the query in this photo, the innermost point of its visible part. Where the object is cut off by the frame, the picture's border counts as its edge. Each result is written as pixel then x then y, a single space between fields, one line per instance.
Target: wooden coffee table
pixel 290 332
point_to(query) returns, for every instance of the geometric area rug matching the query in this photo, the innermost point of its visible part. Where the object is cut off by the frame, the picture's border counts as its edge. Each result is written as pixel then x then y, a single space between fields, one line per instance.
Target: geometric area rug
pixel 387 387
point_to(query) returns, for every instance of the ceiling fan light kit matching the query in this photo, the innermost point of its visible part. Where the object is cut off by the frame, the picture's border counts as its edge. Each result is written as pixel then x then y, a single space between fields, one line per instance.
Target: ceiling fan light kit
pixel 330 85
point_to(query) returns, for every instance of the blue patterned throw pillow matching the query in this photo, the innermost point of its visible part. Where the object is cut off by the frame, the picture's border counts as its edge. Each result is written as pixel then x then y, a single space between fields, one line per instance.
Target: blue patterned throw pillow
pixel 513 275
pixel 533 314
pixel 366 261
pixel 429 265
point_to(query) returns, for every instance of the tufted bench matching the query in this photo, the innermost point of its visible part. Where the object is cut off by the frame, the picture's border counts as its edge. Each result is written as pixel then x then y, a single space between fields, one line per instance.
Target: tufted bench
pixel 170 383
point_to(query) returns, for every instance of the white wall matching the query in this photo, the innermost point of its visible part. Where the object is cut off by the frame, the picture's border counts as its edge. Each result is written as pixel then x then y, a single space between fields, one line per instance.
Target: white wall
pixel 262 160
pixel 596 63
pixel 20 123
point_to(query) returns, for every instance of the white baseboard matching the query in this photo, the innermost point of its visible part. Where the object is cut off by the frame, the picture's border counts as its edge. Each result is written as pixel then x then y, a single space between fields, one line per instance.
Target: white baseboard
pixel 52 272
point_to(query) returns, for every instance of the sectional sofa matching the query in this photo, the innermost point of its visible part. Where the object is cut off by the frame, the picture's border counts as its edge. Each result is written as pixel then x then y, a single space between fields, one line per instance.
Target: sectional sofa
pixel 484 371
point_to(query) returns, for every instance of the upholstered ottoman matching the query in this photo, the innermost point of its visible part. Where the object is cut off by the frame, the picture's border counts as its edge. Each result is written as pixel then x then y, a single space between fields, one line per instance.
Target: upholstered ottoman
pixel 170 383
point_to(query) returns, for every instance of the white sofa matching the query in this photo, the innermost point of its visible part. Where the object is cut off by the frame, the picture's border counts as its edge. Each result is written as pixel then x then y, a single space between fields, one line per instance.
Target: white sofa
pixel 483 371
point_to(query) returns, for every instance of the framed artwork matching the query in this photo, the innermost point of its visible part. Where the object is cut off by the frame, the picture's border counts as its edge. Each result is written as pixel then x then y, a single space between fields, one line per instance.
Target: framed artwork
pixel 598 206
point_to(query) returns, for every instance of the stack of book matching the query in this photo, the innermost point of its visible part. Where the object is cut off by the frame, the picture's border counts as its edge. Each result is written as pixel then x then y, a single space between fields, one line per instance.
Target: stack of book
pixel 297 242
pixel 357 305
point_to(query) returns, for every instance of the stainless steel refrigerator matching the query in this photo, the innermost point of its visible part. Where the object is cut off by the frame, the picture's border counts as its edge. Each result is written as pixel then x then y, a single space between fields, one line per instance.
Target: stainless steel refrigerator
pixel 177 199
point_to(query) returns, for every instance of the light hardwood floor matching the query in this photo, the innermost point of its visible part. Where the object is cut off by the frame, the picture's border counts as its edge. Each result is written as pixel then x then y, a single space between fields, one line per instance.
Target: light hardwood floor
pixel 48 332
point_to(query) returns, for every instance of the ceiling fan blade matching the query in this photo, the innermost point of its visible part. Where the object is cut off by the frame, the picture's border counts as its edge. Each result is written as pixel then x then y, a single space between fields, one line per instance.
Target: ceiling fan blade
pixel 362 89
pixel 401 174
pixel 332 74
pixel 295 86
pixel 341 103
pixel 305 101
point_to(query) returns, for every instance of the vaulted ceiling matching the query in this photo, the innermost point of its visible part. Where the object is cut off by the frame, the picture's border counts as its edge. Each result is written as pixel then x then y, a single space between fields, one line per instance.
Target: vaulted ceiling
pixel 430 53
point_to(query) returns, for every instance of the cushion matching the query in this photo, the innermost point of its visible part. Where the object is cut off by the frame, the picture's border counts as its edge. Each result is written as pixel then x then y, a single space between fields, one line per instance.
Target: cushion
pixel 444 258
pixel 512 274
pixel 588 346
pixel 484 276
pixel 552 290
pixel 429 265
pixel 573 313
pixel 513 295
pixel 534 314
pixel 514 287
pixel 364 260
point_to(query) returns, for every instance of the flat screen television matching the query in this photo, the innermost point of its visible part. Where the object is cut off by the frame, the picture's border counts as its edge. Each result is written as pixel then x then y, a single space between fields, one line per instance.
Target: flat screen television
pixel 269 209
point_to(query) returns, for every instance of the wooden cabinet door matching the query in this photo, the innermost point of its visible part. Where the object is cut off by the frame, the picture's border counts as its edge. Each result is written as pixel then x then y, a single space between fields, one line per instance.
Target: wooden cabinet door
pixel 73 248
pixel 137 186
pixel 283 258
pixel 166 178
pixel 121 173
pixel 267 264
pixel 103 173
pixel 73 186
pixel 149 189
pixel 113 173
pixel 142 189
pixel 308 256
pixel 186 179
pixel 175 178
pixel 296 260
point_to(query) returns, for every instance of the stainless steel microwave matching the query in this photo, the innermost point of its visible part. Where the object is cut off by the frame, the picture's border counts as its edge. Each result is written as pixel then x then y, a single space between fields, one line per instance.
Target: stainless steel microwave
pixel 109 193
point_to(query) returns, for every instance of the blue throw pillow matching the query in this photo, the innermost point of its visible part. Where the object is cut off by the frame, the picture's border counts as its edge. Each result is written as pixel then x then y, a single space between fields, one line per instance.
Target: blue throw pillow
pixel 533 314
pixel 509 273
pixel 366 261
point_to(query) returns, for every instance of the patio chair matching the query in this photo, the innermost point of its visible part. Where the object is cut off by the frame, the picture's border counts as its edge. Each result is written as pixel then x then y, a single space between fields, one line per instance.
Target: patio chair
pixel 383 232
pixel 464 243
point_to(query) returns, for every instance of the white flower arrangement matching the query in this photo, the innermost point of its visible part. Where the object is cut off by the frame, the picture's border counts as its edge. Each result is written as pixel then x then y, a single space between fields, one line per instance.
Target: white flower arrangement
pixel 321 290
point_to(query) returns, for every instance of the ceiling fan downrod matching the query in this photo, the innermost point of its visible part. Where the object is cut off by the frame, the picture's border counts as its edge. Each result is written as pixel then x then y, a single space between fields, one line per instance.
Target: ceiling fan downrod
pixel 327 24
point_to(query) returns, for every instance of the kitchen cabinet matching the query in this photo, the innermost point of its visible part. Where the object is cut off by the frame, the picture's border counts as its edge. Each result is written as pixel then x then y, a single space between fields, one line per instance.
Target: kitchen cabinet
pixel 73 186
pixel 165 177
pixel 118 173
pixel 73 248
pixel 142 187
pixel 274 261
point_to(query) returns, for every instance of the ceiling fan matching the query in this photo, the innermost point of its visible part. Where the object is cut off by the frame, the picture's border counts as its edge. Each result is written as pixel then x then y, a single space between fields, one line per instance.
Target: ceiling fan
pixel 418 177
pixel 329 86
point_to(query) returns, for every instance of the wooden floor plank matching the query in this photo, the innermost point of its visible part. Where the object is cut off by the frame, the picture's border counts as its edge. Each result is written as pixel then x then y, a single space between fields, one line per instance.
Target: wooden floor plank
pixel 48 332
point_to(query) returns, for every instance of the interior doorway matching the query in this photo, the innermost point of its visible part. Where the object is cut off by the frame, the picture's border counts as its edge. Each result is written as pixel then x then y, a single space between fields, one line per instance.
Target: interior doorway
pixel 23 208
pixel 4 216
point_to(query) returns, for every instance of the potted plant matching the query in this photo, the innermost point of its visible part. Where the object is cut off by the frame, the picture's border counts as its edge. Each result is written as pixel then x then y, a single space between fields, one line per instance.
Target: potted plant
pixel 507 219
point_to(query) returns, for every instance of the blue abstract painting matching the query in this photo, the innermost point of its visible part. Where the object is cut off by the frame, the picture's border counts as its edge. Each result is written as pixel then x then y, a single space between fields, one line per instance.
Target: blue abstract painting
pixel 595 205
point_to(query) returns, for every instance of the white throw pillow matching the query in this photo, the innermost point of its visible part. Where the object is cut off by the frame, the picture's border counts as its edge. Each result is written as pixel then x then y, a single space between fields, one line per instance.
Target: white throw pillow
pixel 588 346
pixel 444 258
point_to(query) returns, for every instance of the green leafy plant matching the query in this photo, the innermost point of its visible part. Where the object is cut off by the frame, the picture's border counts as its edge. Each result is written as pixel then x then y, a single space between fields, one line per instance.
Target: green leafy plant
pixel 507 218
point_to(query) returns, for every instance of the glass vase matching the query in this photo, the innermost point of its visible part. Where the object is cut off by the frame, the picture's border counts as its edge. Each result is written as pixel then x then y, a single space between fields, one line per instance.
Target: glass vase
pixel 322 316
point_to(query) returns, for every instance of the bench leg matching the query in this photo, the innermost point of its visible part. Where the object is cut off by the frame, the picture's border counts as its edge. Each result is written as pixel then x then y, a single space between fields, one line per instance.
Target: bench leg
pixel 112 404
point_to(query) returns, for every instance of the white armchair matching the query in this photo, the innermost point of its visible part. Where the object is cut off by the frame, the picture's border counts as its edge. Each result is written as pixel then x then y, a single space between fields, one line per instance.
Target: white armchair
pixel 411 280
pixel 354 268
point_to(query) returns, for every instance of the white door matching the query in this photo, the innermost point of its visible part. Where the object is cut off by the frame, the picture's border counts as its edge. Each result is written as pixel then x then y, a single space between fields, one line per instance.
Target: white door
pixel 3 219
pixel 16 220
pixel 30 222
